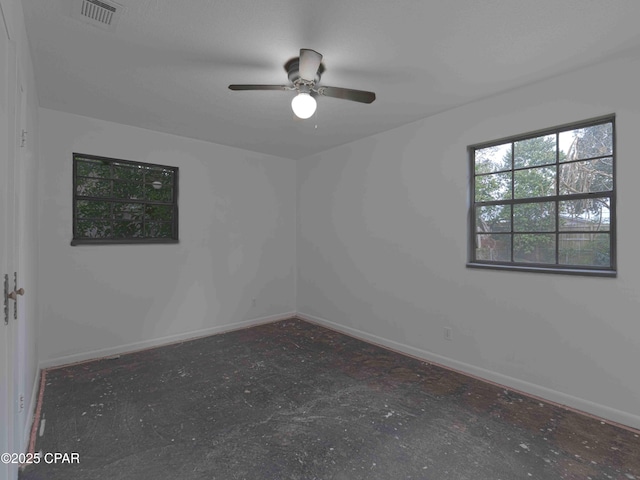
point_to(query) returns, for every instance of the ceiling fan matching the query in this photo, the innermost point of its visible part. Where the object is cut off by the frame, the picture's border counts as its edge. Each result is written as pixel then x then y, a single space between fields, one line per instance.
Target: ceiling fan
pixel 304 74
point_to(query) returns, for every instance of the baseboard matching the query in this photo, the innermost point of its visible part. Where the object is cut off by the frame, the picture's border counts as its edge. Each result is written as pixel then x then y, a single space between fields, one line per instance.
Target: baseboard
pixel 602 412
pixel 161 341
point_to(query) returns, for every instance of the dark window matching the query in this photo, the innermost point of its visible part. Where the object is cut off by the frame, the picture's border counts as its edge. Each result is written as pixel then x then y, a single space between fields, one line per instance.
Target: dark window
pixel 545 201
pixel 120 201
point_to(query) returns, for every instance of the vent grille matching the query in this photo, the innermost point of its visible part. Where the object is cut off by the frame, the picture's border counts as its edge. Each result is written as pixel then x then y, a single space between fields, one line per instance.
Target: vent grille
pixel 100 13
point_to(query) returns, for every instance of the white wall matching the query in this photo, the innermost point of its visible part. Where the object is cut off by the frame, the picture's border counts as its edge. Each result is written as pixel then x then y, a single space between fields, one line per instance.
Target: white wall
pixel 382 241
pixel 237 242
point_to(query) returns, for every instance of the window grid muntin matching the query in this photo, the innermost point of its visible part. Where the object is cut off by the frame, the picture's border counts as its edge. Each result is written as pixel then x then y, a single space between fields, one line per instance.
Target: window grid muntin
pixel 112 201
pixel 474 234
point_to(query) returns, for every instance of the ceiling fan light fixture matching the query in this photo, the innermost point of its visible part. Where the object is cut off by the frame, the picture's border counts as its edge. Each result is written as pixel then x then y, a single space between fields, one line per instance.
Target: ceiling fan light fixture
pixel 303 105
pixel 304 75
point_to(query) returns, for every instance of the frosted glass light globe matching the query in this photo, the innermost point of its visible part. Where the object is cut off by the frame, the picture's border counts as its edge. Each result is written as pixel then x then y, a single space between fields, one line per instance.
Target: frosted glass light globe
pixel 303 105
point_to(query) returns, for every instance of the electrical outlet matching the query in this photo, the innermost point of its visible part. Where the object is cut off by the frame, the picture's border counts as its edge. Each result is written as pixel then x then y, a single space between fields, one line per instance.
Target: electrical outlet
pixel 253 302
pixel 447 333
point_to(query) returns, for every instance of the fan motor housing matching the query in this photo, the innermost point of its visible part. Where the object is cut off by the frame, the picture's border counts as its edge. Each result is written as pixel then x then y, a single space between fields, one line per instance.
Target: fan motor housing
pixel 293 71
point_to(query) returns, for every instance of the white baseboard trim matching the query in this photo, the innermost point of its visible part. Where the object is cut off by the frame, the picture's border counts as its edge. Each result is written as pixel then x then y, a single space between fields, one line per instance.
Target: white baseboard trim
pixel 601 412
pixel 157 342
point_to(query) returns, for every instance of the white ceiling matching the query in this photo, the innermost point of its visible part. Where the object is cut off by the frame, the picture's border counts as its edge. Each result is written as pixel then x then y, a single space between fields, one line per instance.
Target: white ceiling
pixel 167 65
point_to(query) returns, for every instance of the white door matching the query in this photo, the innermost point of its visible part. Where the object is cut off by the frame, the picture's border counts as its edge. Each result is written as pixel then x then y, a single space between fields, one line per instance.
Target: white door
pixel 9 430
pixel 18 326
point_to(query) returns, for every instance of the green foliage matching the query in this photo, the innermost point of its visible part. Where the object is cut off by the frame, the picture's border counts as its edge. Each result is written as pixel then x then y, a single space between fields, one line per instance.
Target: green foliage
pixel 122 200
pixel 534 152
pixel 586 250
pixel 534 176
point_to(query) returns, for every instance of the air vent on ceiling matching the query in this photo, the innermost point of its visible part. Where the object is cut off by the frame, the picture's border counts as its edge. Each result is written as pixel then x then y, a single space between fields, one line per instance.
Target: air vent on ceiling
pixel 100 13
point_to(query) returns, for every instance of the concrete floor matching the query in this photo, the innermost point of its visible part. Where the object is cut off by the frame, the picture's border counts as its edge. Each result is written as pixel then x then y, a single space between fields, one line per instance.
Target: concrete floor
pixel 292 400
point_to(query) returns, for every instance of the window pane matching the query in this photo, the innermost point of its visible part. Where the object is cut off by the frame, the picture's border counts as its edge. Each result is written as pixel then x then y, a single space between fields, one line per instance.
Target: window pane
pixel 585 249
pixel 158 193
pixel 589 142
pixel 127 190
pixel 130 173
pixel 535 151
pixel 93 209
pixel 496 186
pixel 534 248
pixel 94 168
pixel 493 218
pixel 87 187
pixel 163 175
pixel 128 211
pixel 592 214
pixel 127 229
pixel 158 229
pixel 493 159
pixel 534 182
pixel 587 176
pixel 534 217
pixel 159 212
pixel 495 248
pixel 93 229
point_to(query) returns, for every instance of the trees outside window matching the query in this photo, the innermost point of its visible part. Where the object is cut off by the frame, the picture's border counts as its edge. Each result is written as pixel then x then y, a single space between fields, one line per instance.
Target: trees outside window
pixel 546 201
pixel 121 201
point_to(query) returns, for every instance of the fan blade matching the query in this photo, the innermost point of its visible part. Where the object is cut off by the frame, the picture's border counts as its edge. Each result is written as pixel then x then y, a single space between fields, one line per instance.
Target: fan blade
pixel 259 87
pixel 347 94
pixel 309 64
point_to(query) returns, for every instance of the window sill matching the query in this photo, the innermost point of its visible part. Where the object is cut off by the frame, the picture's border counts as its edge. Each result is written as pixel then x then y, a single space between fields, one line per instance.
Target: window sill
pixel 124 241
pixel 539 269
